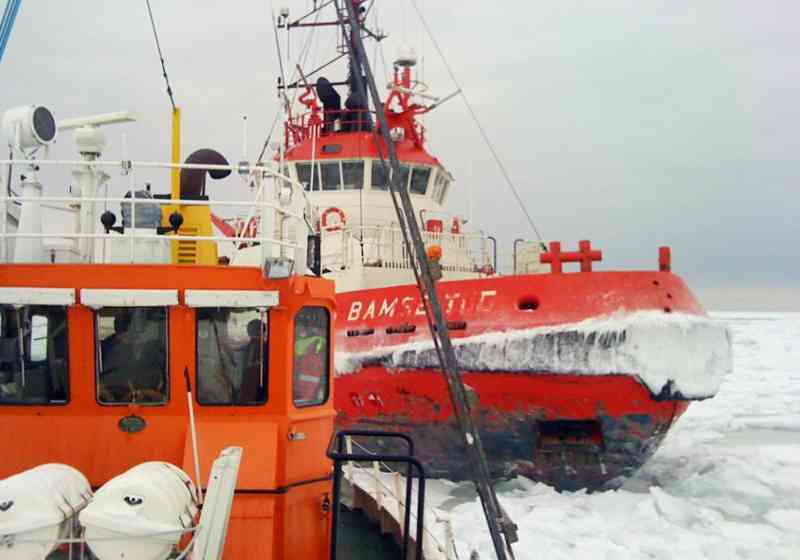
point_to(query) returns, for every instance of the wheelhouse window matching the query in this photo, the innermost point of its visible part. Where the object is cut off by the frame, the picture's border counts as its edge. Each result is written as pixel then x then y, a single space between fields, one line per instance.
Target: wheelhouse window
pixel 380 180
pixel 304 176
pixel 311 356
pixel 33 355
pixel 353 175
pixel 419 180
pixel 131 355
pixel 232 356
pixel 440 186
pixel 331 179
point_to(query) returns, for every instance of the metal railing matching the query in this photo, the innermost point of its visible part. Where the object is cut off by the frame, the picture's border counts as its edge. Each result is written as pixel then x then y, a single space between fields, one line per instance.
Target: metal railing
pixel 259 205
pixel 397 502
pixel 383 246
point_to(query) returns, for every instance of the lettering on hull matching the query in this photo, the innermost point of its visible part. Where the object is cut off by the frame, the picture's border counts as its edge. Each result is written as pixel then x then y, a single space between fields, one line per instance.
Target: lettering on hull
pixel 410 306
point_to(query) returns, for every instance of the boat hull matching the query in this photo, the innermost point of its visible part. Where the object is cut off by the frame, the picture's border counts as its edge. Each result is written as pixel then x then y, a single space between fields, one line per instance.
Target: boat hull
pixel 574 379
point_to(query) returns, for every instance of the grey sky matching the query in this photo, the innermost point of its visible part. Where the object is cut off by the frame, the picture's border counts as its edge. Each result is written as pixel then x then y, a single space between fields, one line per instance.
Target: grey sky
pixel 630 123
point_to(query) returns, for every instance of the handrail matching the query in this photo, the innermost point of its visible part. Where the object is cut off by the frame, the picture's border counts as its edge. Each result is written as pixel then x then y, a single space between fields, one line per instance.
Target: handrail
pixel 340 456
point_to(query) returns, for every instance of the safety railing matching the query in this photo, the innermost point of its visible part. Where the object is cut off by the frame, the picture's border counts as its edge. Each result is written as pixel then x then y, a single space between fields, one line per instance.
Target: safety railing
pixel 88 208
pixel 383 246
pixel 394 498
pixel 325 123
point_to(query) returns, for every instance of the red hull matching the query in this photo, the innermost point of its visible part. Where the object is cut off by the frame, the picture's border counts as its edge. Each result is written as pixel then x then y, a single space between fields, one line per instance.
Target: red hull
pixel 570 431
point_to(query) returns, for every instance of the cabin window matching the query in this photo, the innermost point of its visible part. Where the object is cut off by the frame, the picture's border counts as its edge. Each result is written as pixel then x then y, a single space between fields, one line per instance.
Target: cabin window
pixel 331 180
pixel 304 176
pixel 33 355
pixel 353 175
pixel 440 186
pixel 419 180
pixel 380 180
pixel 443 192
pixel 131 355
pixel 311 356
pixel 232 352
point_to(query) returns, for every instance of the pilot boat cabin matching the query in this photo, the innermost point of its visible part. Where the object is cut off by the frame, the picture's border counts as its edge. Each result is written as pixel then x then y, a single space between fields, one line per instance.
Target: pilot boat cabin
pixel 128 343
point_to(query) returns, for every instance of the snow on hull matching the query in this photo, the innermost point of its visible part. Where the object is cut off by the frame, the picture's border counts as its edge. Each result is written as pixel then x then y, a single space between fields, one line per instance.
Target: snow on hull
pixel 675 355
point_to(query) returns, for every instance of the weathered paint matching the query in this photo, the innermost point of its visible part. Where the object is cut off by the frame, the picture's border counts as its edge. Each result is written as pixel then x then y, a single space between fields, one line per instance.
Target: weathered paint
pixel 512 409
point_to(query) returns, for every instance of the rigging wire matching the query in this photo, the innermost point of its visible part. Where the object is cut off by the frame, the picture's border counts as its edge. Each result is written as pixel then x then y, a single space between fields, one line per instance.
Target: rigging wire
pixel 478 124
pixel 161 55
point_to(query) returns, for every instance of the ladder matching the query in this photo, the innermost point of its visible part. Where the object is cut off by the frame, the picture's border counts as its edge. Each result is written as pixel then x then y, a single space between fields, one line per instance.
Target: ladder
pixel 503 530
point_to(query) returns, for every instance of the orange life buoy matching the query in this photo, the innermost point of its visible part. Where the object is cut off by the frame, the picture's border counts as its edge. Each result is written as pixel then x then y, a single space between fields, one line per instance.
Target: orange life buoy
pixel 336 226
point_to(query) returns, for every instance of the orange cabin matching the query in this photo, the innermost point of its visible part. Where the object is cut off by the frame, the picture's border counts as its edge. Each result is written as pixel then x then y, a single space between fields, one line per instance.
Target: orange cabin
pixel 92 362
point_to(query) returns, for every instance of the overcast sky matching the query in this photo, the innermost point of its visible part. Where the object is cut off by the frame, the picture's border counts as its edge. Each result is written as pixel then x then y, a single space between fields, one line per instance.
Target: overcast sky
pixel 631 123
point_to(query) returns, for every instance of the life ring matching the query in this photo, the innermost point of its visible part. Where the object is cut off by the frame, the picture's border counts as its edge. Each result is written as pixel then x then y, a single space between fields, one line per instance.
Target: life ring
pixel 456 227
pixel 336 226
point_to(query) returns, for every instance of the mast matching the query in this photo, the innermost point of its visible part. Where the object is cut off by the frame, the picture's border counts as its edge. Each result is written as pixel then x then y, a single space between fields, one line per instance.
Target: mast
pixel 502 529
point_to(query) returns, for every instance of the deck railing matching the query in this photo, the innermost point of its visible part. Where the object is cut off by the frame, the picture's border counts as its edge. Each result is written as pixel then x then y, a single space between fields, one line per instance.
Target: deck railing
pixel 260 205
pixel 383 246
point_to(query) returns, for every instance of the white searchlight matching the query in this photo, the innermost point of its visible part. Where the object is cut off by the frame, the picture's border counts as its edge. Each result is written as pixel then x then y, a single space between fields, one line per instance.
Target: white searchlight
pixel 29 127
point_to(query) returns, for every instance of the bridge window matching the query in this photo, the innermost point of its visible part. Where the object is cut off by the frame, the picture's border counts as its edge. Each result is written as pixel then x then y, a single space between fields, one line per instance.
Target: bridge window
pixel 311 356
pixel 331 180
pixel 353 175
pixel 419 180
pixel 304 176
pixel 33 355
pixel 232 355
pixel 379 180
pixel 440 185
pixel 131 355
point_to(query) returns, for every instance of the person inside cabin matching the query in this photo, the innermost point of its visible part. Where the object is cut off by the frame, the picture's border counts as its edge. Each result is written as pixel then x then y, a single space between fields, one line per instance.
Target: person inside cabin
pixel 215 360
pixel 132 359
pixel 310 379
pixel 231 356
pixel 254 363
pixel 33 351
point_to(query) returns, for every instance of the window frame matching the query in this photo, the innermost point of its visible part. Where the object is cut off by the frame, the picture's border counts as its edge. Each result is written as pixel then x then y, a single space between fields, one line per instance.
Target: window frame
pixel 420 169
pixel 360 187
pixel 68 385
pixel 197 360
pixel 328 367
pixel 167 369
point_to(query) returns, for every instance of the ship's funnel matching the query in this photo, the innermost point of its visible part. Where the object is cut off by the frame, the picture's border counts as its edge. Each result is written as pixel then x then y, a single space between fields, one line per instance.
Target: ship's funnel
pixel 193 181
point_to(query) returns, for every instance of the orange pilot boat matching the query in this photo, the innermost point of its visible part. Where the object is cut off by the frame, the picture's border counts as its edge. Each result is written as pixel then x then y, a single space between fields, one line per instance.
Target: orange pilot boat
pixel 155 403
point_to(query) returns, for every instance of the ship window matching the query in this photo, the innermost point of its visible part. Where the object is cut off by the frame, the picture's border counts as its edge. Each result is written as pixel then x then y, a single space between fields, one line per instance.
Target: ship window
pixel 131 355
pixel 380 180
pixel 311 356
pixel 304 176
pixel 443 192
pixel 232 355
pixel 419 180
pixel 331 181
pixel 33 355
pixel 353 175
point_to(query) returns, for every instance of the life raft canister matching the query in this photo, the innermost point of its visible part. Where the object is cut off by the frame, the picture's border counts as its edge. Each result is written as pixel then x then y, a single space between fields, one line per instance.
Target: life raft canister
pixel 334 226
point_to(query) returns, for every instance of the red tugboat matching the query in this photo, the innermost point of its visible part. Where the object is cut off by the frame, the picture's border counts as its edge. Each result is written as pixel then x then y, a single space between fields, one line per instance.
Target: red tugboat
pixel 576 377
